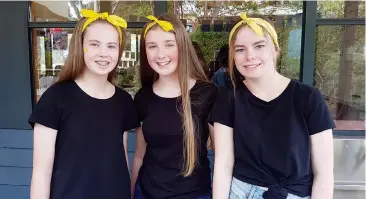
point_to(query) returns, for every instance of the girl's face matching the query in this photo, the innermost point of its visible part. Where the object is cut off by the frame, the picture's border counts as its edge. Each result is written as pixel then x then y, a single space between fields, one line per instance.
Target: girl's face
pixel 101 48
pixel 255 55
pixel 162 51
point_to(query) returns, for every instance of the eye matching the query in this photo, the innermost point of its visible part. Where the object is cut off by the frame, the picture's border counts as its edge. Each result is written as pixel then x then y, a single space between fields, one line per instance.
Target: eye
pixel 112 47
pixel 259 46
pixel 151 46
pixel 239 50
pixel 94 44
pixel 170 45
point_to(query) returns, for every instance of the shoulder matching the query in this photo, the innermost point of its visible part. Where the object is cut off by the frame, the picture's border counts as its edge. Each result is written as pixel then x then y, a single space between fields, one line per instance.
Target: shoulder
pixel 58 90
pixel 306 93
pixel 143 95
pixel 205 89
pixel 122 94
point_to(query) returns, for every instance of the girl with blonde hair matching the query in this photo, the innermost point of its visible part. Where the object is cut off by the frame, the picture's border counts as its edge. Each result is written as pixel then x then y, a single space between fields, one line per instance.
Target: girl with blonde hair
pixel 273 135
pixel 173 105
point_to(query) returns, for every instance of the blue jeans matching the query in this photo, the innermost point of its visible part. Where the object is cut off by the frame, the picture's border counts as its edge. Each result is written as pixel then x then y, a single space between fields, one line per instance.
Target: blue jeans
pixel 243 190
pixel 138 194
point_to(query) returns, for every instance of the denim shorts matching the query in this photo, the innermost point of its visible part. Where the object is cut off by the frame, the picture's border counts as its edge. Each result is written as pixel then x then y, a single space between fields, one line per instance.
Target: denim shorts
pixel 138 194
pixel 242 190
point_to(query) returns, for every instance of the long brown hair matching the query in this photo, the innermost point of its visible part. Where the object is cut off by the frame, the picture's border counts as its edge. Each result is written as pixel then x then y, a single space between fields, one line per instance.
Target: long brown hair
pixel 188 67
pixel 74 64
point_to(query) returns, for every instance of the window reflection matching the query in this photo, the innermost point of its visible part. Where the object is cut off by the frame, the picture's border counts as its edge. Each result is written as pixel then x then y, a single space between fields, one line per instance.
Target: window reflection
pixel 50 50
pixel 209 23
pixel 340 73
pixel 341 9
pixel 70 10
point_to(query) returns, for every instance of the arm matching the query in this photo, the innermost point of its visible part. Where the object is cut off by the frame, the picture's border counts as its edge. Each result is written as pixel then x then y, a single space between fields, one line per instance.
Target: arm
pixel 43 158
pixel 125 141
pixel 224 161
pixel 138 158
pixel 322 164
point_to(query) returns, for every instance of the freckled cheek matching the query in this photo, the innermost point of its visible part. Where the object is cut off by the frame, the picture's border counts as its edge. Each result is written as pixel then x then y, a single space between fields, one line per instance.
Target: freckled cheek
pixel 173 55
pixel 150 56
pixel 239 59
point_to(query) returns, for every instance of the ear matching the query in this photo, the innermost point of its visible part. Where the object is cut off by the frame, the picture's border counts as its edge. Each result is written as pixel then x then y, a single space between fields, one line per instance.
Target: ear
pixel 277 52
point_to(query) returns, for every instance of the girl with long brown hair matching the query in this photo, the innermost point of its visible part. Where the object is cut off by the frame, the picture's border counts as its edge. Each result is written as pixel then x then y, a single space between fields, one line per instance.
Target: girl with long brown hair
pixel 273 135
pixel 173 105
pixel 79 122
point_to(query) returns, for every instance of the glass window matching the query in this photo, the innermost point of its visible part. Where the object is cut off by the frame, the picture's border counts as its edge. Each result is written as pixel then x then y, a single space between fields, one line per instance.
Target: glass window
pixel 340 73
pixel 353 153
pixel 209 23
pixel 50 49
pixel 70 10
pixel 341 9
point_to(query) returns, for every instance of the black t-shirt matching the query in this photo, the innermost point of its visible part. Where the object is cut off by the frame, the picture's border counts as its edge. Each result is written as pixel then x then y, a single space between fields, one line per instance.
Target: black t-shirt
pixel 90 161
pixel 272 139
pixel 159 176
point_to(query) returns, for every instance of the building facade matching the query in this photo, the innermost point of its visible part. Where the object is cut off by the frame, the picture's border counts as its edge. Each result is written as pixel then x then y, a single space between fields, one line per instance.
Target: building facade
pixel 322 44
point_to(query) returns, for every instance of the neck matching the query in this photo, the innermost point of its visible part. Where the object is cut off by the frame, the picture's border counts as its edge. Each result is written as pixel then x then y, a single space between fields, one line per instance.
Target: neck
pixel 267 87
pixel 94 82
pixel 170 81
pixel 168 86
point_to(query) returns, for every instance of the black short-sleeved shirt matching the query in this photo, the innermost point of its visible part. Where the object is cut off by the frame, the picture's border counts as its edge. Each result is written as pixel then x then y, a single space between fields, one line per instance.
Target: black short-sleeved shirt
pixel 272 139
pixel 90 161
pixel 159 176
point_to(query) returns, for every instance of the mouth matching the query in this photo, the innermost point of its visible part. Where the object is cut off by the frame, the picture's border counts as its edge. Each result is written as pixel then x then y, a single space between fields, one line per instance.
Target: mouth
pixel 163 63
pixel 252 66
pixel 102 63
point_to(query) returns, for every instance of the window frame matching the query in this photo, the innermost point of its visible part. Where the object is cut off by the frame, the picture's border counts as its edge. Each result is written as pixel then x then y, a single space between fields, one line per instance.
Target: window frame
pixel 307 65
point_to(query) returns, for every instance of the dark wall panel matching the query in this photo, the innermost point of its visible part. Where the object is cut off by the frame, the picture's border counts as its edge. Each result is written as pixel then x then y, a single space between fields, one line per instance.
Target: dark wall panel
pixel 14 192
pixel 15 83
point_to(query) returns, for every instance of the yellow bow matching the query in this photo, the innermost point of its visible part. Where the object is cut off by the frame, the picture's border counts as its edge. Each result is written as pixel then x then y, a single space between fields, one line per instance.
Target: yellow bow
pixel 113 19
pixel 256 24
pixel 165 25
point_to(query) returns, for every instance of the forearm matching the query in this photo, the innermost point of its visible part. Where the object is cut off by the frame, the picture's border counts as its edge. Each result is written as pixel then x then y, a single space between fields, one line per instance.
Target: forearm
pixel 323 186
pixel 136 165
pixel 40 186
pixel 222 179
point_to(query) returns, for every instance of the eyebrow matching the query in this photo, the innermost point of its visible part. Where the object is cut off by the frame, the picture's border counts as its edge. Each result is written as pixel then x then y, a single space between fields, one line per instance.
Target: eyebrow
pixel 255 43
pixel 258 42
pixel 93 40
pixel 166 41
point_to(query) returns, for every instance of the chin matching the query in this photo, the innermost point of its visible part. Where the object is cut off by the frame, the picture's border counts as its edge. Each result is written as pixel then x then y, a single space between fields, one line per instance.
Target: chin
pixel 101 72
pixel 165 72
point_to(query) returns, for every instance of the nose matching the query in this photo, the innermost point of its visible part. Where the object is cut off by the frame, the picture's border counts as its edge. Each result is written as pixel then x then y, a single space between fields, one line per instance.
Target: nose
pixel 250 54
pixel 103 51
pixel 161 53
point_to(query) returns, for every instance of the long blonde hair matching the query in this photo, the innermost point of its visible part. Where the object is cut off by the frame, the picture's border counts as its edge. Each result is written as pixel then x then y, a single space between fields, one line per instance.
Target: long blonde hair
pixel 75 64
pixel 188 67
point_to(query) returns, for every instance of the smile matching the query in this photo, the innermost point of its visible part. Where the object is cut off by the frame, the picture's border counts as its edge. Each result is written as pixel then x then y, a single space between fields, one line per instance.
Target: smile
pixel 252 66
pixel 163 63
pixel 102 63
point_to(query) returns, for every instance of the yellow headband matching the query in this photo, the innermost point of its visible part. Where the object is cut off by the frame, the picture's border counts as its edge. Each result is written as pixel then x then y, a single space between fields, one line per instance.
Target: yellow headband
pixel 112 19
pixel 256 24
pixel 165 25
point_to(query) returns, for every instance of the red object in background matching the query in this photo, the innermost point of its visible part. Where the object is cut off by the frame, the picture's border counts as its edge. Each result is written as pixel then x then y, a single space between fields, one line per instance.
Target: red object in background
pixel 55 30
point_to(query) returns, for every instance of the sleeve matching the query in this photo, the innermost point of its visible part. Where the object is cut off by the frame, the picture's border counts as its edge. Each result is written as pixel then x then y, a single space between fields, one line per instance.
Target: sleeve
pixel 223 109
pixel 211 101
pixel 46 112
pixel 138 100
pixel 131 115
pixel 318 117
